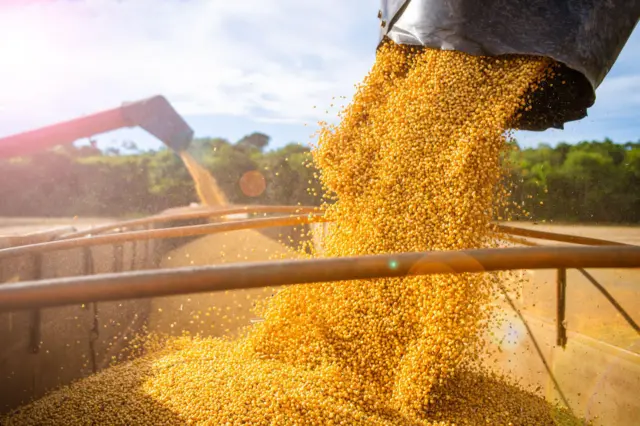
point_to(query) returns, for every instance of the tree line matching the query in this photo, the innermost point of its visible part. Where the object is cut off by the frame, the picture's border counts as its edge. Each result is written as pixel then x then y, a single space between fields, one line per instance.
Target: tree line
pixel 592 181
pixel 85 181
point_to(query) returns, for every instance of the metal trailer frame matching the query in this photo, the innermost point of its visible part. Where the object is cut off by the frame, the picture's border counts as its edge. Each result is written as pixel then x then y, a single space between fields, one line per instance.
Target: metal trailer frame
pixel 38 294
pixel 41 293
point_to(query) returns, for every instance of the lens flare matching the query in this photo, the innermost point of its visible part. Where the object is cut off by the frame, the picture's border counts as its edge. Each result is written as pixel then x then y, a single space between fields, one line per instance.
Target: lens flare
pixel 252 183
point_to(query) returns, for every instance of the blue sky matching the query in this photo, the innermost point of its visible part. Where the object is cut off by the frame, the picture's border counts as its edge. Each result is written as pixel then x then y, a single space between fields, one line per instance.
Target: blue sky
pixel 229 67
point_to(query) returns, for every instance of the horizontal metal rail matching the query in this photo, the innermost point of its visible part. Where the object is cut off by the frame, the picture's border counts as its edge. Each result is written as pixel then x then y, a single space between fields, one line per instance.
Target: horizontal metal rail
pixel 552 236
pixel 36 237
pixel 176 232
pixel 145 284
pixel 66 243
pixel 190 215
pixel 212 213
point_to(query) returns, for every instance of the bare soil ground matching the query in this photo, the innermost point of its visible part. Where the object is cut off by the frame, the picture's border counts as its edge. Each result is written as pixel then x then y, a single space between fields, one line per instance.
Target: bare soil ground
pixel 588 312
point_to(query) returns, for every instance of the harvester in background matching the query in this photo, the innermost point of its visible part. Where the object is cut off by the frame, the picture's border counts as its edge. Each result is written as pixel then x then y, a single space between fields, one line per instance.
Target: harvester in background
pixel 155 115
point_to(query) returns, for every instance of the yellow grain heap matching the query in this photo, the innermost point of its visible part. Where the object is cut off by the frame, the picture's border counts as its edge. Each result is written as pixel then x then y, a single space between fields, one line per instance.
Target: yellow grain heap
pixel 414 165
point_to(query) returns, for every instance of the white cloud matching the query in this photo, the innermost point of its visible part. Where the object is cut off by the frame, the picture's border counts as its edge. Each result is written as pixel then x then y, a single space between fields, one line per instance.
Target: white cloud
pixel 619 95
pixel 269 59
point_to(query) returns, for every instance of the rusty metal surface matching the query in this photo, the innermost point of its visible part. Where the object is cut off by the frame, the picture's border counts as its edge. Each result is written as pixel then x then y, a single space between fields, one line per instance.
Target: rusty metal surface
pixel 190 214
pixel 201 213
pixel 553 236
pixel 73 340
pixel 561 307
pixel 35 237
pixel 143 284
pixel 176 232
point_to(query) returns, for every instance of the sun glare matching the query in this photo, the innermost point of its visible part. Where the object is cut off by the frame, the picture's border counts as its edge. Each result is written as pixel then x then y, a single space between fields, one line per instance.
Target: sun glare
pixel 26 40
pixel 31 54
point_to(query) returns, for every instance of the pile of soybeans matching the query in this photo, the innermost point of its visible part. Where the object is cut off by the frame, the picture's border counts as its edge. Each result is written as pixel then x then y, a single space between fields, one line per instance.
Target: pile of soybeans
pixel 415 165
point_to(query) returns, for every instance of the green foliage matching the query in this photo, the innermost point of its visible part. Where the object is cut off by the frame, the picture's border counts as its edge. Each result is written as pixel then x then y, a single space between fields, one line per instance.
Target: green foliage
pixel 254 141
pixel 69 180
pixel 589 182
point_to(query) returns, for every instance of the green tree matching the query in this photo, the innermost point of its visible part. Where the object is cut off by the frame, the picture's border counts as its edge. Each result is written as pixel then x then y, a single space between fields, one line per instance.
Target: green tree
pixel 168 178
pixel 589 181
pixel 254 141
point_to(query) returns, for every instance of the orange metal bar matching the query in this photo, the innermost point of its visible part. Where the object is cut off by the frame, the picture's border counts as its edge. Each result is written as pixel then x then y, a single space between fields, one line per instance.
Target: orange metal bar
pixel 561 307
pixel 143 284
pixel 552 236
pixel 186 231
pixel 177 232
pixel 189 215
pixel 37 237
pixel 62 133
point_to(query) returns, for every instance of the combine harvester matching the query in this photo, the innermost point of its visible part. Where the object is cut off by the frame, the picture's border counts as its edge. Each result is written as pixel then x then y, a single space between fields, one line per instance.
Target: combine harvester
pixel 84 294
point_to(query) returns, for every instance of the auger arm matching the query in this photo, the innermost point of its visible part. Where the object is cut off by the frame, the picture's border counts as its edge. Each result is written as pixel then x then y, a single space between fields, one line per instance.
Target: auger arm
pixel 155 115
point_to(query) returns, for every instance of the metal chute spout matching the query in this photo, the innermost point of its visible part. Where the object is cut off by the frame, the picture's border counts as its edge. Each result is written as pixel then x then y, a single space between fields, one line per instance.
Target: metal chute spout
pixel 584 36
